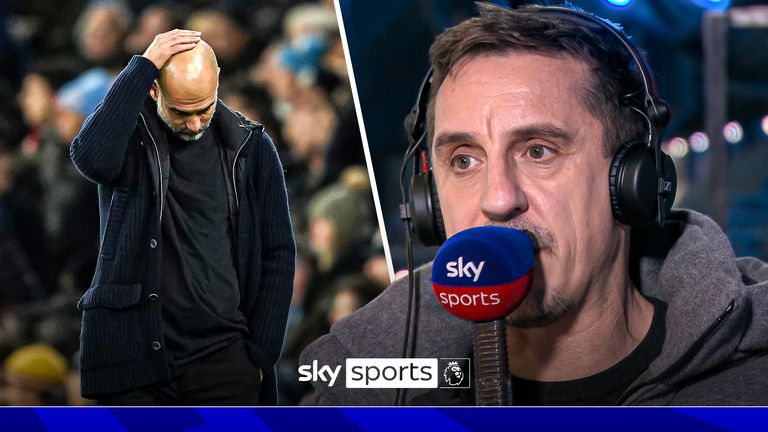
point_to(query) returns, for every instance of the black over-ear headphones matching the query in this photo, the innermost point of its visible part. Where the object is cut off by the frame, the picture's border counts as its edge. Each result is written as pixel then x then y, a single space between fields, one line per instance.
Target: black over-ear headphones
pixel 642 177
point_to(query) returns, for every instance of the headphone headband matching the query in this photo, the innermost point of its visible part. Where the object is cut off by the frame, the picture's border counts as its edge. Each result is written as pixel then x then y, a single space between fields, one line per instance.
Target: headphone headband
pixel 656 109
pixel 415 121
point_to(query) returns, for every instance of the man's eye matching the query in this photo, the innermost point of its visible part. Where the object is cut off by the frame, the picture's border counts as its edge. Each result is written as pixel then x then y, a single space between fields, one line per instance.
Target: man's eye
pixel 463 162
pixel 539 152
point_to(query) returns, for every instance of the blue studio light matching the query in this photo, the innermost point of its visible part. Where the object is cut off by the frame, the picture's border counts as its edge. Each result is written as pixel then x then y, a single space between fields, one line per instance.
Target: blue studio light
pixel 619 2
pixel 715 5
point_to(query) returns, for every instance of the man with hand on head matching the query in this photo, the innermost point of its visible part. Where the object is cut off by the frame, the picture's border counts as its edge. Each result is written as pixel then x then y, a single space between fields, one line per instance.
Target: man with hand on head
pixel 190 297
pixel 533 115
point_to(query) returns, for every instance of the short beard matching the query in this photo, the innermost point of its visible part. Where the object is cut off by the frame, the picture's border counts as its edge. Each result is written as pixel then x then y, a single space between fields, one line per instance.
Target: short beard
pixel 543 305
pixel 540 307
pixel 182 133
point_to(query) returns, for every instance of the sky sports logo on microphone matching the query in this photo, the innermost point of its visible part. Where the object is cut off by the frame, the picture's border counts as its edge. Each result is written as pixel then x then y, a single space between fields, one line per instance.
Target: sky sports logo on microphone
pixel 458 269
pixel 483 273
pixel 445 373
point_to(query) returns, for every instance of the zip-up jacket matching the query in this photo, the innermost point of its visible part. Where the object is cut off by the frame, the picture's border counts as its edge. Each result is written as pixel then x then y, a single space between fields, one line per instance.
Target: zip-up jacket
pixel 122 148
pixel 715 350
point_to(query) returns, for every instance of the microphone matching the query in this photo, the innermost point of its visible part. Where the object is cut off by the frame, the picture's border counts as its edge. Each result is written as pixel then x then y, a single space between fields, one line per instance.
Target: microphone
pixel 482 274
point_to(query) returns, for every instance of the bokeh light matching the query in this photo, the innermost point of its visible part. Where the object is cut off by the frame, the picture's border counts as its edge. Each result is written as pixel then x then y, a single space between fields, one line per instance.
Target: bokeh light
pixel 699 142
pixel 733 132
pixel 677 147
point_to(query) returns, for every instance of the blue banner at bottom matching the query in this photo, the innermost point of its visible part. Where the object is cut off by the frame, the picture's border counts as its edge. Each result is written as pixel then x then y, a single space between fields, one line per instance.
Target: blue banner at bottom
pixel 382 419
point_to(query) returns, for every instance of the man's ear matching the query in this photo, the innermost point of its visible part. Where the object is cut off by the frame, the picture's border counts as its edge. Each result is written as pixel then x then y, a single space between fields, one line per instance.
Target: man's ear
pixel 154 90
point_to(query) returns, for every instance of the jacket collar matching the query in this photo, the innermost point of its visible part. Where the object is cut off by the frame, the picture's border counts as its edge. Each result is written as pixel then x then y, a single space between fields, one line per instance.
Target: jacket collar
pixel 690 265
pixel 232 126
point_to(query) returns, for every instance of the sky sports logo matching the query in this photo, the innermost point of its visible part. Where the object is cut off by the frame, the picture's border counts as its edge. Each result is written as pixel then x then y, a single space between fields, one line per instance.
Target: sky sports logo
pixel 447 373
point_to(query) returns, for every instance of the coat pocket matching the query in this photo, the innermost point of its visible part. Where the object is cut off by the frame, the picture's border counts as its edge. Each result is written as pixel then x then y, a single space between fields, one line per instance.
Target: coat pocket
pixel 111 325
pixel 117 208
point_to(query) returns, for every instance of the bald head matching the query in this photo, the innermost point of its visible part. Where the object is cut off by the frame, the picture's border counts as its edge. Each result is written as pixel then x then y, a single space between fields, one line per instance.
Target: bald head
pixel 186 91
pixel 191 75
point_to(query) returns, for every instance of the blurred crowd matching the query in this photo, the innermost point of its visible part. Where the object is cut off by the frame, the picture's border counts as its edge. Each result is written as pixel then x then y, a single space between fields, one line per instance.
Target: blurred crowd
pixel 282 64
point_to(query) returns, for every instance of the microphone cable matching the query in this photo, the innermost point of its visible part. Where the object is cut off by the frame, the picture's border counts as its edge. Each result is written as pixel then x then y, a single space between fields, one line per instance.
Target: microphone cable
pixel 415 131
pixel 411 310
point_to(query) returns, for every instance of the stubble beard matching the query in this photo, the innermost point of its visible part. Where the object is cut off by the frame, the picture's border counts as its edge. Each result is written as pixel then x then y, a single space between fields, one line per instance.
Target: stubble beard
pixel 544 304
pixel 182 133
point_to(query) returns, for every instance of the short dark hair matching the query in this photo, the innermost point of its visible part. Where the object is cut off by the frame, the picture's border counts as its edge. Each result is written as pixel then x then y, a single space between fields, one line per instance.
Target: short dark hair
pixel 499 30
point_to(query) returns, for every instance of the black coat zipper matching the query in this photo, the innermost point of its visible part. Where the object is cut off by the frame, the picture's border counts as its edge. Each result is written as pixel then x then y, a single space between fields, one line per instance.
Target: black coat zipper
pixel 685 360
pixel 234 167
pixel 159 165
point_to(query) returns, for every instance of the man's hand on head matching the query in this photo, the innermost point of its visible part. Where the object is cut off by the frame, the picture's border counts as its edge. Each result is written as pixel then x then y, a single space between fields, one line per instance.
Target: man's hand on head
pixel 165 45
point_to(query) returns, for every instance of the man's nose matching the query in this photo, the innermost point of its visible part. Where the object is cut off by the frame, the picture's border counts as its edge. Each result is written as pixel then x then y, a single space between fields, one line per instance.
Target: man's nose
pixel 503 198
pixel 194 124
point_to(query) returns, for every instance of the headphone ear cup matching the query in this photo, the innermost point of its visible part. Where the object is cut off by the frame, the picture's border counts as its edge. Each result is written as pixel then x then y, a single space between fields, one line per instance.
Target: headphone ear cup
pixel 633 180
pixel 425 210
pixel 670 175
pixel 437 211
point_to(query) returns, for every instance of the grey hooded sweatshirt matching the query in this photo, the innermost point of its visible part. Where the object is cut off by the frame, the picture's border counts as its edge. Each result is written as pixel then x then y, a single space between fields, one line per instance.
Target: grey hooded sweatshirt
pixel 715 351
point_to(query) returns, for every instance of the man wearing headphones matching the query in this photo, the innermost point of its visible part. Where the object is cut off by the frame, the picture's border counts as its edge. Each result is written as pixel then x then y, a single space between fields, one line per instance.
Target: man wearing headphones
pixel 546 120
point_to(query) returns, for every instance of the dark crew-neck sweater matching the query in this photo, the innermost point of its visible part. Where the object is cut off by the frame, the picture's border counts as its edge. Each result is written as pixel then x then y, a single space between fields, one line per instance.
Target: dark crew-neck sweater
pixel 603 388
pixel 199 281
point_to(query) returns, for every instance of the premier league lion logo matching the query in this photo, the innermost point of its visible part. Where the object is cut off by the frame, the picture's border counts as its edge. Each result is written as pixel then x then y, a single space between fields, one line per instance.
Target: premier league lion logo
pixel 453 374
